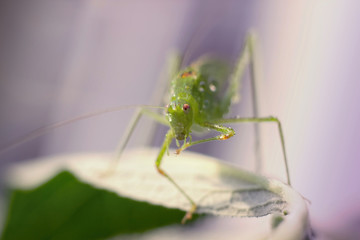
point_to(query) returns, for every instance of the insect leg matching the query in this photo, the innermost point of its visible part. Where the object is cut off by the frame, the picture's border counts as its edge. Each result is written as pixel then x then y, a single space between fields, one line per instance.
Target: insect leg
pixel 247 57
pixel 227 133
pixel 130 129
pixel 168 138
pixel 260 120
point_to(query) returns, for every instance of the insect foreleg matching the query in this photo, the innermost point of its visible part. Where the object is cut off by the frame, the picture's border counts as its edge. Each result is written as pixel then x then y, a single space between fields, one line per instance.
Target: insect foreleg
pixel 227 133
pixel 168 138
pixel 260 120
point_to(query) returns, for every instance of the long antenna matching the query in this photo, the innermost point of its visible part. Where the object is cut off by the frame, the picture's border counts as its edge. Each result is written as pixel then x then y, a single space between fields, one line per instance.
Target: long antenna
pixel 43 130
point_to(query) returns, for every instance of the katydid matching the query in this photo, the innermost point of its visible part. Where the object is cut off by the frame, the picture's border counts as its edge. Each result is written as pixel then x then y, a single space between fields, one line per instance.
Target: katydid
pixel 199 98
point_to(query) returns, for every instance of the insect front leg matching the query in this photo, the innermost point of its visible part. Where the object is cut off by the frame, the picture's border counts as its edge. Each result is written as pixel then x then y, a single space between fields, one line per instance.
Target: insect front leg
pixel 227 133
pixel 168 139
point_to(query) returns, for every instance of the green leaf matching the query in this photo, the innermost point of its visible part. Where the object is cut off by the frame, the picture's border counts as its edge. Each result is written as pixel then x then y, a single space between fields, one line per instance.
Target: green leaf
pixel 65 208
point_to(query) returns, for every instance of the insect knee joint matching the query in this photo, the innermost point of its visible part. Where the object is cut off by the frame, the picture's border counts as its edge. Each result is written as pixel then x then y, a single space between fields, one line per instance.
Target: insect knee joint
pixel 227 135
pixel 160 171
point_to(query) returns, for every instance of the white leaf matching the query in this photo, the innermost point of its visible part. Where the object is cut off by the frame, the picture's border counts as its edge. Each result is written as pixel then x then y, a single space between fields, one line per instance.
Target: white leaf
pixel 217 188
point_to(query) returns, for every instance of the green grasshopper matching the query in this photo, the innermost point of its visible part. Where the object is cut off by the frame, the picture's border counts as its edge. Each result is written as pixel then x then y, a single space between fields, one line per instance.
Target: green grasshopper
pixel 200 96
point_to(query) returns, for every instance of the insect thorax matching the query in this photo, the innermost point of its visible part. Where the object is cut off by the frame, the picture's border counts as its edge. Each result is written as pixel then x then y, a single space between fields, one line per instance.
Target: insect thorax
pixel 202 84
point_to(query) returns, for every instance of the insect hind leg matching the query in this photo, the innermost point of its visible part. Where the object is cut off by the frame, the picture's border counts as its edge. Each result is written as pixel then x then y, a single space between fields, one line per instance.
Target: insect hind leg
pixel 162 88
pixel 247 58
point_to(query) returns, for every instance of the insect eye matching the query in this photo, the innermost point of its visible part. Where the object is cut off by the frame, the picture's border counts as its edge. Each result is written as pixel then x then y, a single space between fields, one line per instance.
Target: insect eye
pixel 186 107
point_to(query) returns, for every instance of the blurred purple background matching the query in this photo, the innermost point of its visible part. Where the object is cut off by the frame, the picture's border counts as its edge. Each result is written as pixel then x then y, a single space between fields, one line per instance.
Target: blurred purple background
pixel 65 58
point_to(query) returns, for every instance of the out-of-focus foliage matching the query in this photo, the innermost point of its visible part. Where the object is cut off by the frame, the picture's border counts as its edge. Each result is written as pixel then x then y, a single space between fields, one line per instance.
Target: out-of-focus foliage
pixel 65 208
